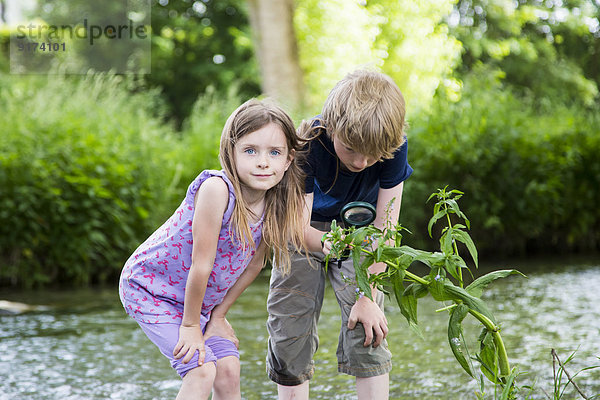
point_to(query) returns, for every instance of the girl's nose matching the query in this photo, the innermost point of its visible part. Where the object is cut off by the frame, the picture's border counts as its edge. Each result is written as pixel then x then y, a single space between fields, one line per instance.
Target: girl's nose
pixel 262 162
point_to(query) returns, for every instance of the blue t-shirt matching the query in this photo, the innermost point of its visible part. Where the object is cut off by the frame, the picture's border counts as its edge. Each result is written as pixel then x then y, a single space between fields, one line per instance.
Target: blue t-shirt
pixel 334 186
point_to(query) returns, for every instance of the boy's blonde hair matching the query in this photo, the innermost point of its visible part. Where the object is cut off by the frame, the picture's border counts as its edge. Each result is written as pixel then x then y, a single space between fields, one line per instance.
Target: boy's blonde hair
pixel 366 111
pixel 282 223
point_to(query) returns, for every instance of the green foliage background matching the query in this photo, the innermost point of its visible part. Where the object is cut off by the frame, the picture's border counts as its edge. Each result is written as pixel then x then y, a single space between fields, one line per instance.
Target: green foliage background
pixel 502 104
pixel 530 174
pixel 84 166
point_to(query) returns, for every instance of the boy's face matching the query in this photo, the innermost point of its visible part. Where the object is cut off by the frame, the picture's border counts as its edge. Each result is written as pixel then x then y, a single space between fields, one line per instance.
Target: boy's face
pixel 354 161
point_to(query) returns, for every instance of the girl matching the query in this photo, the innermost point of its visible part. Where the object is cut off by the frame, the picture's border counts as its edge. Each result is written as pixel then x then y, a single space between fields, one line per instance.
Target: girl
pixel 179 284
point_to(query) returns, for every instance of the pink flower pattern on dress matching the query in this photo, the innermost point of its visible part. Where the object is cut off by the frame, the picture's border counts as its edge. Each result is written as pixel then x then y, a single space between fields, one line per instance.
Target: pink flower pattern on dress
pixel 152 284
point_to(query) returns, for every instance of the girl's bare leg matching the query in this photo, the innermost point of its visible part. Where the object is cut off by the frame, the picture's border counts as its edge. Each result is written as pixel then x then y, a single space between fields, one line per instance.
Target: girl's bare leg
pixel 227 381
pixel 197 384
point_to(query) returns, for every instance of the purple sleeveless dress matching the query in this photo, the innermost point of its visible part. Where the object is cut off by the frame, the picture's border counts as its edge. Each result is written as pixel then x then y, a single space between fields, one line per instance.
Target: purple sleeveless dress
pixel 152 284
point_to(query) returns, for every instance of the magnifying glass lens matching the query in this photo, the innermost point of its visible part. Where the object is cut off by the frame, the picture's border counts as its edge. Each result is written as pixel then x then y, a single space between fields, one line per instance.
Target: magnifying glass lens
pixel 358 216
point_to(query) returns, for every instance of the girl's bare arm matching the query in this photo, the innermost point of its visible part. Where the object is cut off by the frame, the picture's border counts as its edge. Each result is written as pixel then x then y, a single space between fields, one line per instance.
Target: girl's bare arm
pixel 210 205
pixel 218 325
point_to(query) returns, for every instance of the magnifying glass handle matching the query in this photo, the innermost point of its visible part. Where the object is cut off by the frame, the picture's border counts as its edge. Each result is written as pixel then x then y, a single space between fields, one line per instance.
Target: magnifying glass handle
pixel 339 261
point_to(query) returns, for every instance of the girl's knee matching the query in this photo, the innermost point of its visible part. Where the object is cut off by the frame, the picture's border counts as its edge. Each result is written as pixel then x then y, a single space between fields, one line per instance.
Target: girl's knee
pixel 228 370
pixel 201 375
pixel 197 383
pixel 227 381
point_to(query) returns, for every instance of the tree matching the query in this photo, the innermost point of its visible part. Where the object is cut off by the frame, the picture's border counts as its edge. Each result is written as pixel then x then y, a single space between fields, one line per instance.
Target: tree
pixel 195 44
pixel 545 48
pixel 198 44
pixel 276 49
pixel 407 40
pixel 3 11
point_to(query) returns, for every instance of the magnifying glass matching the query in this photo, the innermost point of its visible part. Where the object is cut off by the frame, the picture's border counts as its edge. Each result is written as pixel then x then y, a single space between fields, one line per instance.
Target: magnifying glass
pixel 358 214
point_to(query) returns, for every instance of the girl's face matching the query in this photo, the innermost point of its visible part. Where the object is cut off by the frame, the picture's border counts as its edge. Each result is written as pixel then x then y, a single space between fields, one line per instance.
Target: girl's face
pixel 351 159
pixel 262 157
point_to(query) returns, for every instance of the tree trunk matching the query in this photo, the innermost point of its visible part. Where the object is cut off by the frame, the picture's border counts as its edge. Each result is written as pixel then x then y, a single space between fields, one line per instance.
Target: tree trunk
pixel 277 51
pixel 3 11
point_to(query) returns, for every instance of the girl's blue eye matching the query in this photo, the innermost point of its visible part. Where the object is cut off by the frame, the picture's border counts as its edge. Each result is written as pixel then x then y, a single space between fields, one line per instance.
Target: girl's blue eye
pixel 275 152
pixel 250 151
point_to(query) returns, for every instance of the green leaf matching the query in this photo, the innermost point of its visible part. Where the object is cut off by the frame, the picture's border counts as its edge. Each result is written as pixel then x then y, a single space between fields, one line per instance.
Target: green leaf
pixel 362 274
pixel 359 236
pixel 397 280
pixel 433 220
pixel 455 337
pixel 409 250
pixel 454 207
pixel 457 192
pixel 333 225
pixel 508 391
pixel 452 268
pixel 456 293
pixel 487 357
pixel 379 251
pixel 389 253
pixel 399 254
pixel 464 237
pixel 404 261
pixel 430 259
pixel 408 305
pixel 478 285
pixel 431 196
pixel 446 242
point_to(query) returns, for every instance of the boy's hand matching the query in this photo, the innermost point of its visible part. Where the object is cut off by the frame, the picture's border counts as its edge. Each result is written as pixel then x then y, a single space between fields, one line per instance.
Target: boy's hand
pixel 373 319
pixel 190 340
pixel 326 247
pixel 219 326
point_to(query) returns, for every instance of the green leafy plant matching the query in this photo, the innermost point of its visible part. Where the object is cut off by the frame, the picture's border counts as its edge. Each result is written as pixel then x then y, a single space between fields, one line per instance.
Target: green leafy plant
pixel 560 372
pixel 444 282
pixel 514 169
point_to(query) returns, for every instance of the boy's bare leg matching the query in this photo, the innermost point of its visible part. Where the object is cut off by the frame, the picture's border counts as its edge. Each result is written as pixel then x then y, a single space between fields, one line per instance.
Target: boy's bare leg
pixel 293 392
pixel 373 388
pixel 197 384
pixel 227 381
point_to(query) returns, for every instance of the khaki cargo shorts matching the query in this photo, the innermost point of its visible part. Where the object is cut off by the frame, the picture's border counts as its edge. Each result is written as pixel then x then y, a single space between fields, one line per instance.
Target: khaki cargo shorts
pixel 294 306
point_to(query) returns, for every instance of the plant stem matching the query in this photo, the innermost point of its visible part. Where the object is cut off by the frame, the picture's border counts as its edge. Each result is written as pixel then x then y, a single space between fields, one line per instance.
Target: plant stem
pixel 448 308
pixel 571 381
pixel 495 330
pixel 416 278
pixel 460 279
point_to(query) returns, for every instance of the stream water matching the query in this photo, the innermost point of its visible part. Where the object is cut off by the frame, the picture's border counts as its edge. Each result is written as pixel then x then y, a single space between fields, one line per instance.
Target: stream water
pixel 81 345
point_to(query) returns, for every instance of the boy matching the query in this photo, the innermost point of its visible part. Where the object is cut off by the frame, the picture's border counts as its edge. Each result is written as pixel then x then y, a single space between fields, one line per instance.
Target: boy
pixel 356 152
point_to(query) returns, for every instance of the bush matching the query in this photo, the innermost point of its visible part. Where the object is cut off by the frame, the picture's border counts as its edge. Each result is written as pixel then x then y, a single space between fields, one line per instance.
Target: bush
pixel 84 171
pixel 88 169
pixel 530 172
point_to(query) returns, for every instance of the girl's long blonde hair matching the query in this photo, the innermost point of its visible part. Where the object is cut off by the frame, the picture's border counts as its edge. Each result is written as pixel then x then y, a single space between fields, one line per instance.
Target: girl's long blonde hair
pixel 283 222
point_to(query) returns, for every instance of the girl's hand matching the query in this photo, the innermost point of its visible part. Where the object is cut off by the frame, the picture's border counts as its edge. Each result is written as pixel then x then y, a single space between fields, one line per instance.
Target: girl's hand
pixel 190 340
pixel 219 326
